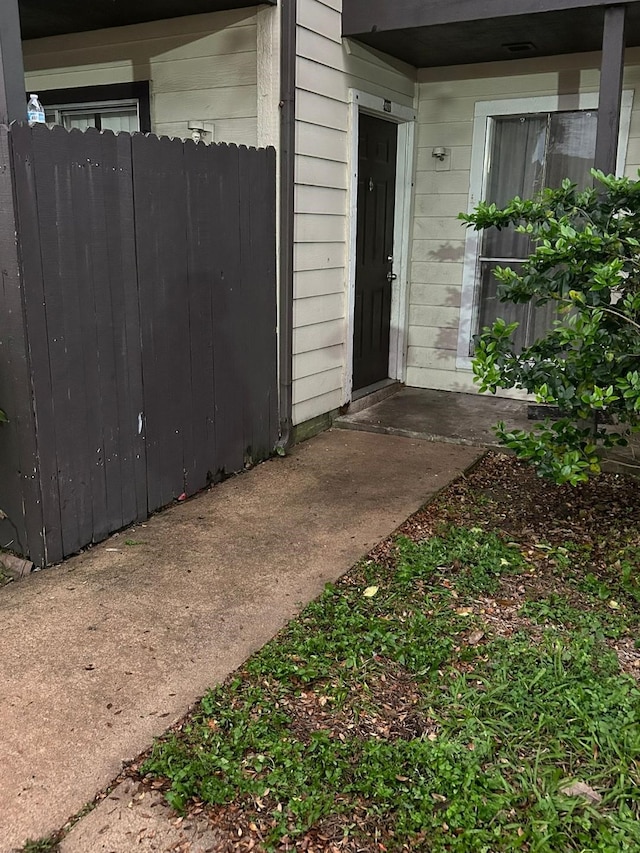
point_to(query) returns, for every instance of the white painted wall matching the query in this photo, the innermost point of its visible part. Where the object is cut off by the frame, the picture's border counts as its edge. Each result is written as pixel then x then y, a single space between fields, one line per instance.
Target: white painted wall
pixel 201 66
pixel 326 69
pixel 447 98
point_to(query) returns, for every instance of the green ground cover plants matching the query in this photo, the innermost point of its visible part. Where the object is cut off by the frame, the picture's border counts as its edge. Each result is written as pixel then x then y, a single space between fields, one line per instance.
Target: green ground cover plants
pixel 468 688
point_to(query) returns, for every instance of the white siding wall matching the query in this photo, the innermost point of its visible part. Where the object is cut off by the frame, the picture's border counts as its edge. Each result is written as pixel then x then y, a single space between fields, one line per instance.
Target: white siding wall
pixel 326 69
pixel 447 98
pixel 201 66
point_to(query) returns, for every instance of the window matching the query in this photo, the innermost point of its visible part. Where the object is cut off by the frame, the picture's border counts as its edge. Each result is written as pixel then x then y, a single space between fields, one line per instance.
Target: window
pixel 103 115
pixel 117 107
pixel 518 148
pixel 527 153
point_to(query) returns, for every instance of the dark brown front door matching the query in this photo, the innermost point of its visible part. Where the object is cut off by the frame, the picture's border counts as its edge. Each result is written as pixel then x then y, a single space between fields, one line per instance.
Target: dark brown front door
pixel 376 202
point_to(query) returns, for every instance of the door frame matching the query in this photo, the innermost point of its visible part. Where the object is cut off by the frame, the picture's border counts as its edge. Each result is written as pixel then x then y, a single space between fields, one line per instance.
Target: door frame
pixel 405 119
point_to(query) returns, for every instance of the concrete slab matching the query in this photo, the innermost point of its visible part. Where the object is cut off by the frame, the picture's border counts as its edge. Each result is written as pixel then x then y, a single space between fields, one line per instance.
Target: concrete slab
pixel 446 416
pixel 104 652
pixel 133 819
pixel 449 416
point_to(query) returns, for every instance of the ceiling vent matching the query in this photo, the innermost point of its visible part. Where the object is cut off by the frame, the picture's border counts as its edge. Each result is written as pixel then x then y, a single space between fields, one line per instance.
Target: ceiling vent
pixel 520 47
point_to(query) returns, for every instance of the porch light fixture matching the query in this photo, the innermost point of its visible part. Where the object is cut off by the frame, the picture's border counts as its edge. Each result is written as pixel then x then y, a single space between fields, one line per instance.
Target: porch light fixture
pixel 439 153
pixel 198 130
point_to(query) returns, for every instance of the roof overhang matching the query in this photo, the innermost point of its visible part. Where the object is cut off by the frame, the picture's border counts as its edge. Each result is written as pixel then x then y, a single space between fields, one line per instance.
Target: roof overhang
pixel 432 33
pixel 40 18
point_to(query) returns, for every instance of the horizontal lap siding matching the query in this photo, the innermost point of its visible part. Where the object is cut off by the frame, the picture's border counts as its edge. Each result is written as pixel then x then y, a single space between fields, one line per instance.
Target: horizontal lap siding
pixel 310 363
pixel 326 70
pixel 447 99
pixel 202 66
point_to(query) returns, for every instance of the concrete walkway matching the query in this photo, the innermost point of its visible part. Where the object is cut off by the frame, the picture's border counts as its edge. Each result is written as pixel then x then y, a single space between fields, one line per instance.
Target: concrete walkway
pixel 104 652
pixel 439 416
pixel 451 416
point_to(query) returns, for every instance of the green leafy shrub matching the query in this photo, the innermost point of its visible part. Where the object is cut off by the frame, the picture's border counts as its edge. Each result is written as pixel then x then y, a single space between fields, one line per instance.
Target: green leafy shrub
pixel 586 260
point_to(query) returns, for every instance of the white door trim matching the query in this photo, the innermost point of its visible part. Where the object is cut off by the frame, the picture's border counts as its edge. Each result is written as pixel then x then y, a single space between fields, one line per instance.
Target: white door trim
pixel 405 118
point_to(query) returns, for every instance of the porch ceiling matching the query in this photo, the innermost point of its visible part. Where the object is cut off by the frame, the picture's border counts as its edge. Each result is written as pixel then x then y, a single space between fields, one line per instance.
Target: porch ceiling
pixel 438 34
pixel 41 18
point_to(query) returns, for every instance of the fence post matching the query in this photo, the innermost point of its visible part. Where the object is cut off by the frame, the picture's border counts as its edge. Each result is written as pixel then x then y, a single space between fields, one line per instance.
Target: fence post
pixel 22 528
pixel 13 105
pixel 611 80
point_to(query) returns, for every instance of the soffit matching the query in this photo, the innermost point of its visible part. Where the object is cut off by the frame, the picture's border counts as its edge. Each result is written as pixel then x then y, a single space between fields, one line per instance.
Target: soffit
pixel 463 42
pixel 41 18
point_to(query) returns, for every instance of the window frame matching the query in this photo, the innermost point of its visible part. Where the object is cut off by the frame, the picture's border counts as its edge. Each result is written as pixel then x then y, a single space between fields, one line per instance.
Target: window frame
pixel 110 95
pixel 96 107
pixel 485 112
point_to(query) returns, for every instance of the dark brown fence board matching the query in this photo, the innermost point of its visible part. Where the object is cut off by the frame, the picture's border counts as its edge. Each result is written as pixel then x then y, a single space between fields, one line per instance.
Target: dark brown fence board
pixel 145 159
pixel 149 297
pixel 39 368
pixel 200 176
pixel 110 327
pixel 19 484
pixel 247 289
pixel 58 251
pixel 162 276
pixel 104 326
pixel 227 314
pixel 124 283
pixel 88 279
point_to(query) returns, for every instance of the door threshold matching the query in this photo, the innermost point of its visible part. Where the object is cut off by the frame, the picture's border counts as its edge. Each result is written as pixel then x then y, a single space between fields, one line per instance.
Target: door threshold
pixel 372 394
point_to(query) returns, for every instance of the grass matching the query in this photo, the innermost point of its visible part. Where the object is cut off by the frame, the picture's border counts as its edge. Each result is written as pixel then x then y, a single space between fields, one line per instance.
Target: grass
pixel 557 610
pixel 45 845
pixel 391 708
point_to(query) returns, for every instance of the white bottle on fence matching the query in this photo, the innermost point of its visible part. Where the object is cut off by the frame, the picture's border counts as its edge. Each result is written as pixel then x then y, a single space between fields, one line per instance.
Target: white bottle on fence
pixel 35 111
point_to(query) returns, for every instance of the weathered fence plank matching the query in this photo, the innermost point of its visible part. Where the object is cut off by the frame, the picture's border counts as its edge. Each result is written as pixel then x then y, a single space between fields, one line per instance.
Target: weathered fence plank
pixel 53 166
pixel 228 310
pixel 160 239
pixel 82 285
pixel 23 143
pixel 121 243
pixel 118 421
pixel 149 294
pixel 20 498
pixel 202 248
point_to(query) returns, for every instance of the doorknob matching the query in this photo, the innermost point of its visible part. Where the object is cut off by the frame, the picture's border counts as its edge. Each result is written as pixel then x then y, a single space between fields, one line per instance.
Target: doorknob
pixel 391 276
pixel 389 259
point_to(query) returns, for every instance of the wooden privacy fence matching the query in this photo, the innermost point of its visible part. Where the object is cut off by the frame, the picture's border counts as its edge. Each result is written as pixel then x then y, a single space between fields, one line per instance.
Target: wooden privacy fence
pixel 149 301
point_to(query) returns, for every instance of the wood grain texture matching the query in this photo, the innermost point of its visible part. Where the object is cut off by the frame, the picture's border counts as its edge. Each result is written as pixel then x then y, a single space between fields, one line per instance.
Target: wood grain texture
pixel 21 500
pixel 228 303
pixel 150 297
pixel 162 279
